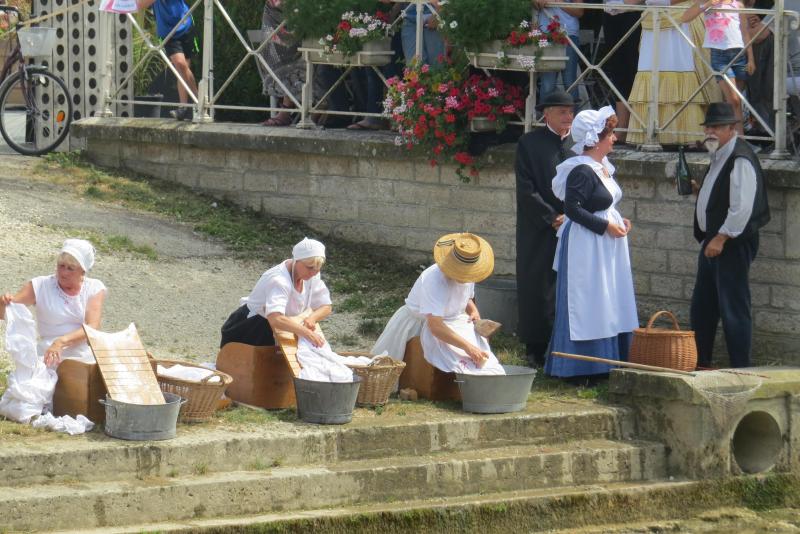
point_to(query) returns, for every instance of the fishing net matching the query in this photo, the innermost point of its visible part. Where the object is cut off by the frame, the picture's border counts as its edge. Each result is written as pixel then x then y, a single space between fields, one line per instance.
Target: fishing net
pixel 727 393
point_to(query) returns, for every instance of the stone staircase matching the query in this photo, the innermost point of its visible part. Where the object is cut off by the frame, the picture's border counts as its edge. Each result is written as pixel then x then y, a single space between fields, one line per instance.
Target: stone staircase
pixel 340 479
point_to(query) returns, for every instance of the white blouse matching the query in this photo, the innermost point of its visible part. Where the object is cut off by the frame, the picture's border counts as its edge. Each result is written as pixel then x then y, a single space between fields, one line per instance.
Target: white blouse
pixel 58 313
pixel 435 294
pixel 275 292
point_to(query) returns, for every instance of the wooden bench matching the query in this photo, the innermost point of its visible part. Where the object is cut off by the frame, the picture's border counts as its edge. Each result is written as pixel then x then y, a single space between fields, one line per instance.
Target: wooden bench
pixel 429 382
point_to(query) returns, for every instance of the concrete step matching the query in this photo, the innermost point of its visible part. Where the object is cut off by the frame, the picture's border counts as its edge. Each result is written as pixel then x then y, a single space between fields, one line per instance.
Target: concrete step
pixel 201 447
pixel 347 483
pixel 537 510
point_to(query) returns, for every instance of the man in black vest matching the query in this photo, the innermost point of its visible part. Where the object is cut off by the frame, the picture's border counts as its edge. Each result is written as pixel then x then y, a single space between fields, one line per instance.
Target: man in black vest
pixel 731 207
pixel 539 214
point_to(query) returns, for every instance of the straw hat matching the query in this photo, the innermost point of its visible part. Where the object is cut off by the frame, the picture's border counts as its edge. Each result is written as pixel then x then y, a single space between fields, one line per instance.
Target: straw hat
pixel 464 257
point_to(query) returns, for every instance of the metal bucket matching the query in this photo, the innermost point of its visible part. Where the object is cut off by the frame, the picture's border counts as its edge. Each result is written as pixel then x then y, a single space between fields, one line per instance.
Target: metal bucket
pixel 326 403
pixel 142 422
pixel 496 393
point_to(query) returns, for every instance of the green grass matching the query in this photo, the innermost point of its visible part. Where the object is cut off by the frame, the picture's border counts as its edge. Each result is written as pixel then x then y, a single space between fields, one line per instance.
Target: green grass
pixel 248 416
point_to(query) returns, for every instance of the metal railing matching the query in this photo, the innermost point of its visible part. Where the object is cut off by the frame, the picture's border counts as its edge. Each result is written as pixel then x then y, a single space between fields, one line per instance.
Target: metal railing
pixel 207 99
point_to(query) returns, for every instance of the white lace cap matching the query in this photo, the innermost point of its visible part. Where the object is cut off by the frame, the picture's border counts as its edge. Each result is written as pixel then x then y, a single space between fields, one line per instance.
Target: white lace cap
pixel 587 125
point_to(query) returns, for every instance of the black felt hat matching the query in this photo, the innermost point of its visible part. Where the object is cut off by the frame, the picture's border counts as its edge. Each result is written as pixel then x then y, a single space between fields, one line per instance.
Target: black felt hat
pixel 556 98
pixel 719 113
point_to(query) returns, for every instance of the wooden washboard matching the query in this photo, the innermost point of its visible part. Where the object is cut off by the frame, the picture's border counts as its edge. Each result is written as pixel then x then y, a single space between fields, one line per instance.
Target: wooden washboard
pixel 287 341
pixel 125 366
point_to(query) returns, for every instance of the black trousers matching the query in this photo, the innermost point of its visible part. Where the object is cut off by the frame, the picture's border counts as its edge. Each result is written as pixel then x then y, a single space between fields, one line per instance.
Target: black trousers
pixel 722 291
pixel 253 331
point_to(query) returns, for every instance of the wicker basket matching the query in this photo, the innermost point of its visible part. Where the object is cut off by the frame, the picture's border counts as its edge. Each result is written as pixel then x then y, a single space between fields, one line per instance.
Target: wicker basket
pixel 674 349
pixel 377 379
pixel 202 397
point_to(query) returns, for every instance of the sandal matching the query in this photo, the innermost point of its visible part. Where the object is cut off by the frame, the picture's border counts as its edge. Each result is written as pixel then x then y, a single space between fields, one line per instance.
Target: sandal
pixel 278 121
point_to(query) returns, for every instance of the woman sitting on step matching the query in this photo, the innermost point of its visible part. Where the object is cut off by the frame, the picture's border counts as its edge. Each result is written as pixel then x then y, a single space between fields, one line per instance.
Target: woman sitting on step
pixel 286 290
pixel 64 301
pixel 441 310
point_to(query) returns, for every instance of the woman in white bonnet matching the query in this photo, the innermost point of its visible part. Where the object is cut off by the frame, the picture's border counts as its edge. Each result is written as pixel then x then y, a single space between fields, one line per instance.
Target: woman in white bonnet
pixel 286 290
pixel 64 301
pixel 595 302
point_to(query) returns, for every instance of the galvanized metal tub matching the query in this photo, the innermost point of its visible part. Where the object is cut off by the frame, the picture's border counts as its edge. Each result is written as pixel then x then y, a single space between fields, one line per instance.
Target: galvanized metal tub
pixel 140 422
pixel 326 403
pixel 496 393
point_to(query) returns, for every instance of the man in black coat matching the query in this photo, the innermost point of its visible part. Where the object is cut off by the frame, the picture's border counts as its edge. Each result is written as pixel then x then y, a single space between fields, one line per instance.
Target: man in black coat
pixel 731 207
pixel 539 214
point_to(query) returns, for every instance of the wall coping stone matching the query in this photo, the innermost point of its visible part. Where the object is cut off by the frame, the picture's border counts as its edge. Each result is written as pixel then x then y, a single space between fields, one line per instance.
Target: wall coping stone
pixel 379 145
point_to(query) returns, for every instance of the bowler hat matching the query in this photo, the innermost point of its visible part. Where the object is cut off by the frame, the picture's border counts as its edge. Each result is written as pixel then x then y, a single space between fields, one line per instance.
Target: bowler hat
pixel 719 113
pixel 556 98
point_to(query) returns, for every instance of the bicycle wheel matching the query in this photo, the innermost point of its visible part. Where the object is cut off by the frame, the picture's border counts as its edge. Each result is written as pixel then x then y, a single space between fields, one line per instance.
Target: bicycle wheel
pixel 35 111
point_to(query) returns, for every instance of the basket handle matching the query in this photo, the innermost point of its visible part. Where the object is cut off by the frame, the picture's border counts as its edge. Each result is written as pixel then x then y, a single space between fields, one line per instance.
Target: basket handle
pixel 385 358
pixel 659 314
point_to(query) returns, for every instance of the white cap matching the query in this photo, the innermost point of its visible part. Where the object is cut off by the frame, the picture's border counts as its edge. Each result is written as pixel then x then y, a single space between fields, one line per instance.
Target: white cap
pixel 82 251
pixel 587 125
pixel 308 248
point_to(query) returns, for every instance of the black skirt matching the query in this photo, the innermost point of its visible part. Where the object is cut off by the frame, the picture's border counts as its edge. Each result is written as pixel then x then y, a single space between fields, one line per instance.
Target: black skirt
pixel 251 331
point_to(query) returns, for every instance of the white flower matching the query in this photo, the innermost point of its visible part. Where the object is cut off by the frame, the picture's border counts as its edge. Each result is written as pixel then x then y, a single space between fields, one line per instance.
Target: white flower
pixel 501 54
pixel 526 62
pixel 398 141
pixel 357 32
pixel 535 33
pixel 543 43
pixel 524 24
pixel 328 38
pixel 454 25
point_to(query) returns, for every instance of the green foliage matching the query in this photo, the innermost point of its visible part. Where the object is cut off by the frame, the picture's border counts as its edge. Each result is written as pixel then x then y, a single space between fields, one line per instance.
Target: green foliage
pixel 246 88
pixel 153 66
pixel 313 19
pixel 469 24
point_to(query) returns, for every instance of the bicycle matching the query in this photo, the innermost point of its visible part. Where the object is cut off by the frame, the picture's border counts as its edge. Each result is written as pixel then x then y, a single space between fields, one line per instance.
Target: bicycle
pixel 35 105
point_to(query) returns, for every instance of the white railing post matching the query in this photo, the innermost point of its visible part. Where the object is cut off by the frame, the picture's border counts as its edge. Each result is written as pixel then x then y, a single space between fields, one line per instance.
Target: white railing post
pixel 651 144
pixel 779 80
pixel 107 62
pixel 203 111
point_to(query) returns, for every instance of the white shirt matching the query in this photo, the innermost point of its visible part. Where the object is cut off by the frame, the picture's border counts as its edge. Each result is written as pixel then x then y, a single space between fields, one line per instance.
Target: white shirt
pixel 58 313
pixel 435 294
pixel 742 191
pixel 275 292
pixel 723 30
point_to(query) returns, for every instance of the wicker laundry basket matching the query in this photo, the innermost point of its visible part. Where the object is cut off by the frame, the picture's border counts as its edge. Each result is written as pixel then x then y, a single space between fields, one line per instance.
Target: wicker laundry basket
pixel 377 379
pixel 662 347
pixel 202 397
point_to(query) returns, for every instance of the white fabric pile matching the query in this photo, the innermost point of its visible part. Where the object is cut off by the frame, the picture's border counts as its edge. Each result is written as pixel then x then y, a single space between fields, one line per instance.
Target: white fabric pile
pixel 190 374
pixel 65 423
pixel 31 384
pixel 321 364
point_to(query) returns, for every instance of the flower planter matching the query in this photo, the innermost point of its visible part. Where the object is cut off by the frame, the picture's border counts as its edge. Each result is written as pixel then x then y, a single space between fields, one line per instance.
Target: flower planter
pixel 374 54
pixel 492 56
pixel 482 124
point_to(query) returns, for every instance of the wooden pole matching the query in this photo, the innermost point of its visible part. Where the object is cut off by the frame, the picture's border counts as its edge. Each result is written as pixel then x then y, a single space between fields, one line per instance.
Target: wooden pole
pixel 621 364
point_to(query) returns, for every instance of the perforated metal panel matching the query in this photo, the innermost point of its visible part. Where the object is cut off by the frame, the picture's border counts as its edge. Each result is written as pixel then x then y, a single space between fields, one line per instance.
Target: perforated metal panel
pixel 76 56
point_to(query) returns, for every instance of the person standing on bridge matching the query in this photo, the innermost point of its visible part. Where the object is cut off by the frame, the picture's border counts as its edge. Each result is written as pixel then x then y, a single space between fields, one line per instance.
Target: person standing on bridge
pixel 180 48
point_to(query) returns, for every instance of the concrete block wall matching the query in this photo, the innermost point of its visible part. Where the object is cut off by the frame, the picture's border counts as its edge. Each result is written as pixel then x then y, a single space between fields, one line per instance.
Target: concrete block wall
pixel 362 187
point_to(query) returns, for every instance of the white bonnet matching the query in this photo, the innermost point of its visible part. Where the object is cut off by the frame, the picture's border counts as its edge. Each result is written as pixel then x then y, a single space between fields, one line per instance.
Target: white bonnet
pixel 308 248
pixel 81 250
pixel 587 125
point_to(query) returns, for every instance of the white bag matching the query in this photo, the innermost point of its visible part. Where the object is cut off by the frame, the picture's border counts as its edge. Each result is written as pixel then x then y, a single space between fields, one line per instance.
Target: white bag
pixel 31 384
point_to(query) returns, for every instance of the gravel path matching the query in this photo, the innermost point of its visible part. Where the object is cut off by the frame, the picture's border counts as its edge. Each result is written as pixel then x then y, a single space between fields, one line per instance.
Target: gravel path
pixel 178 301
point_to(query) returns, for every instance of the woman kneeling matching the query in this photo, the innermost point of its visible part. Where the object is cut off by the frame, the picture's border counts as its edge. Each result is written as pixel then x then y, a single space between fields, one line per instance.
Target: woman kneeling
pixel 441 310
pixel 288 289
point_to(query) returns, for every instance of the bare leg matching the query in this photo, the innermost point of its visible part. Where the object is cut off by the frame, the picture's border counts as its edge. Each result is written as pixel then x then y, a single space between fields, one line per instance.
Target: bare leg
pixel 183 67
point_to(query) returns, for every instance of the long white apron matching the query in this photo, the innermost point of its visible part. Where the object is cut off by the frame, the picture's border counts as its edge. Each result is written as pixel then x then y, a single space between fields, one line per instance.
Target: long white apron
pixel 600 291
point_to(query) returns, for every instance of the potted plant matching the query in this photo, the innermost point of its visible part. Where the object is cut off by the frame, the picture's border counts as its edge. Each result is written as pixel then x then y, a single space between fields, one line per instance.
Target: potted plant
pixel 339 30
pixel 428 108
pixel 491 103
pixel 362 34
pixel 500 35
pixel 144 77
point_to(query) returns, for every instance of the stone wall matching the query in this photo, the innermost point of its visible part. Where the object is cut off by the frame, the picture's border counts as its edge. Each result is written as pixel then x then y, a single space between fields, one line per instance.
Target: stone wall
pixel 362 187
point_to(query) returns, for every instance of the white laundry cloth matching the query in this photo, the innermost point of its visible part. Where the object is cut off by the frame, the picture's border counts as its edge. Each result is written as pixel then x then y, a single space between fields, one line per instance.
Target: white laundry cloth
pixel 190 374
pixel 321 364
pixel 65 423
pixel 31 384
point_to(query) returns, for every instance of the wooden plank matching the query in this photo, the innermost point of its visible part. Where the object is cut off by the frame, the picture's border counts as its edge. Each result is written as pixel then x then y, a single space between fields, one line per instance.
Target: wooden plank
pixel 124 365
pixel 287 341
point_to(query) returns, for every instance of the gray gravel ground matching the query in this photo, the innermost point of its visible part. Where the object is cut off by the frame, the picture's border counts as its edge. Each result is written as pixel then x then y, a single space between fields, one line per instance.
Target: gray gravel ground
pixel 178 301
